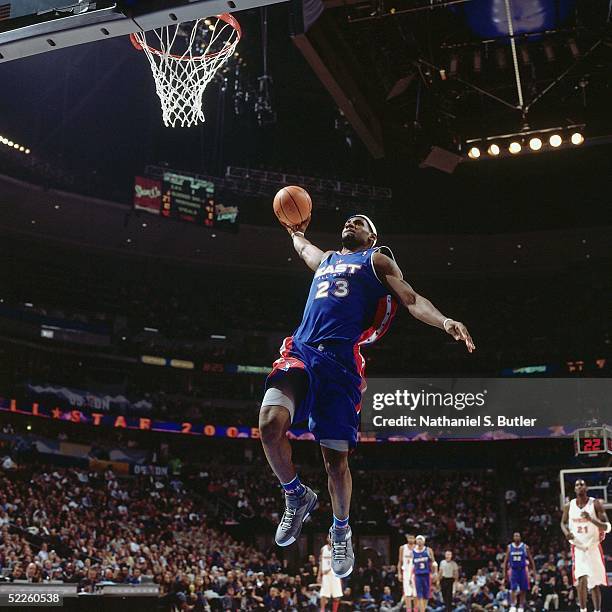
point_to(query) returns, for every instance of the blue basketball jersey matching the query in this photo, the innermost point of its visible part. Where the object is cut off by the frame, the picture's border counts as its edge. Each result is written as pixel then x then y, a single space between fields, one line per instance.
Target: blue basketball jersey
pixel 518 557
pixel 347 304
pixel 422 562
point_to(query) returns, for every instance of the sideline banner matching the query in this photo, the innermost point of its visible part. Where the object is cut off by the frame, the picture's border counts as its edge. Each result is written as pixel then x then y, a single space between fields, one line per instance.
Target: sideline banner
pixel 86 400
pixel 406 410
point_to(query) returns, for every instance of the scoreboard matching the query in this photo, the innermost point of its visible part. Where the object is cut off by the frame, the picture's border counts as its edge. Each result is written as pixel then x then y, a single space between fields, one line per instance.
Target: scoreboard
pixel 184 197
pixel 592 441
pixel 188 198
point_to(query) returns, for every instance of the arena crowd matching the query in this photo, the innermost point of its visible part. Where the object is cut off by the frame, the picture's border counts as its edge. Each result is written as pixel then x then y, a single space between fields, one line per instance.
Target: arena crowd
pixel 87 527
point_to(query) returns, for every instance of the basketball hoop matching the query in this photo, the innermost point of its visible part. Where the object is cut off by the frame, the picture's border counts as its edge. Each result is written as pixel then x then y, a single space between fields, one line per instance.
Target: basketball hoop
pixel 184 59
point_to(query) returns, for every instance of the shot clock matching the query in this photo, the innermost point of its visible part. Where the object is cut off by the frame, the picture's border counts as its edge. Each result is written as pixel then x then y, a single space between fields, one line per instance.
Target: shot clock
pixel 593 441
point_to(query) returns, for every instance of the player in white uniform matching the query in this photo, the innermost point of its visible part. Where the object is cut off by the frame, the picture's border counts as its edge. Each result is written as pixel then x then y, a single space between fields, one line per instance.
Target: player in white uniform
pixel 331 585
pixel 405 572
pixel 585 524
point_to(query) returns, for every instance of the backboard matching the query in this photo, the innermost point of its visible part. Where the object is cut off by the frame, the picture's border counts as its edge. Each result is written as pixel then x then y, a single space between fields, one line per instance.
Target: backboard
pixel 598 481
pixel 29 27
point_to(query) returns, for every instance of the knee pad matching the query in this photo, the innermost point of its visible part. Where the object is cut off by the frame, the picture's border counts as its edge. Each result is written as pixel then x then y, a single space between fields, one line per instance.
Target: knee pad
pixel 275 397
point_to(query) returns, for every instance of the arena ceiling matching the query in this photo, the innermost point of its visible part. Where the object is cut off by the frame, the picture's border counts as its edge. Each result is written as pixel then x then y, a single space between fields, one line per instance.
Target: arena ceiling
pixel 90 112
pixel 411 73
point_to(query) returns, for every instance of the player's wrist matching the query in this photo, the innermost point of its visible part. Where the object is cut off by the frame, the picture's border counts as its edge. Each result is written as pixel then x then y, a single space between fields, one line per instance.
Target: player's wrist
pixel 446 320
pixel 296 233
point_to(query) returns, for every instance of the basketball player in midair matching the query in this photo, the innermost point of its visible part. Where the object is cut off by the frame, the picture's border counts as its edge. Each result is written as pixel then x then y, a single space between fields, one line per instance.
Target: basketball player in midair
pixel 519 557
pixel 331 585
pixel 319 375
pixel 405 573
pixel 585 523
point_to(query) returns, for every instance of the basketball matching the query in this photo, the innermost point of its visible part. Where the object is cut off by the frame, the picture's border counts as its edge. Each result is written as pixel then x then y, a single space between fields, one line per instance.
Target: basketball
pixel 292 205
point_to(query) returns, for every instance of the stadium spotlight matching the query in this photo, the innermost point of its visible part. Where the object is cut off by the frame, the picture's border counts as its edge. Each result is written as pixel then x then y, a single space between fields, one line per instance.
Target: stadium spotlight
pixel 577 138
pixel 526 141
pixel 535 144
pixel 11 144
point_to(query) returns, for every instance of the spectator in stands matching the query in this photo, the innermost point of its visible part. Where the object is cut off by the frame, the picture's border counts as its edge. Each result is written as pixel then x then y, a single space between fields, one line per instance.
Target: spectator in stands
pixel 436 601
pixel 367 601
pixel 33 573
pixel 88 583
pixel 135 577
pixel 483 600
pixel 17 573
pixel 387 602
pixel 502 599
pixel 550 594
pixel 272 600
pixel 534 599
pixel 567 593
pixel 347 603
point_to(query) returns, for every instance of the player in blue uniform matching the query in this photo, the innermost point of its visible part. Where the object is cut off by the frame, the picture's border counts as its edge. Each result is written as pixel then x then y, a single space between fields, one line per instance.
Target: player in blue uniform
pixel 518 558
pixel 425 568
pixel 320 374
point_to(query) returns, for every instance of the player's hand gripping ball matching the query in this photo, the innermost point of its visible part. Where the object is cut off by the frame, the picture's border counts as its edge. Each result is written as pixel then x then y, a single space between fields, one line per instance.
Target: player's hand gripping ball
pixel 293 206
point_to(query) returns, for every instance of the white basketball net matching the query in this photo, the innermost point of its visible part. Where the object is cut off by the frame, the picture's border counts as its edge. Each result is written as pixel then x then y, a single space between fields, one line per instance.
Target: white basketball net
pixel 183 66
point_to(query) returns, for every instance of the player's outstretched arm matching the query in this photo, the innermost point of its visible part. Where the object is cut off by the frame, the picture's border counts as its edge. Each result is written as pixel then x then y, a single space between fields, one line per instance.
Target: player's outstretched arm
pixel 418 306
pixel 310 253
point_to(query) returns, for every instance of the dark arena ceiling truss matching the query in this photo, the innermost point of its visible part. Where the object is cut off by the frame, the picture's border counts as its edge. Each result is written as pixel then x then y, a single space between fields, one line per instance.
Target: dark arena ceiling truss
pixel 408 74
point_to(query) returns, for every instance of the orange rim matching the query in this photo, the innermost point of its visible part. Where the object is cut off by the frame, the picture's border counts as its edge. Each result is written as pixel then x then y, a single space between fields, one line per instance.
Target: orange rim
pixel 229 19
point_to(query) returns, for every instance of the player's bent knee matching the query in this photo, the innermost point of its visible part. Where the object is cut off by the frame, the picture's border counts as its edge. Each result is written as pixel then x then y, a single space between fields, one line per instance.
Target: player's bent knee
pixel 273 422
pixel 336 467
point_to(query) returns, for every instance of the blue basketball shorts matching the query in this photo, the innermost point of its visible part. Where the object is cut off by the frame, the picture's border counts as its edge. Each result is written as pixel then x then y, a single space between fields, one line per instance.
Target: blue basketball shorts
pixel 330 401
pixel 519 580
pixel 422 583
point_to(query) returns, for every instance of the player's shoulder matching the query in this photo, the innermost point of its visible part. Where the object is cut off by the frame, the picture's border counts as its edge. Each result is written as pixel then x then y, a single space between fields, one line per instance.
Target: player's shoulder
pixel 383 260
pixel 326 256
pixel 382 253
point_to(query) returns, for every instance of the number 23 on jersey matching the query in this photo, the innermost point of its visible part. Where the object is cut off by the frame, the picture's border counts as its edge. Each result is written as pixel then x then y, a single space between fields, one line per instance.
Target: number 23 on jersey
pixel 338 288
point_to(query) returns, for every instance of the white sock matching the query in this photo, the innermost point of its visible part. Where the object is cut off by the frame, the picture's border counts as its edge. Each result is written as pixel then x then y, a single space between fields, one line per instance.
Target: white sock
pixel 583 610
